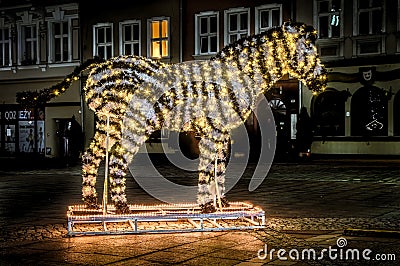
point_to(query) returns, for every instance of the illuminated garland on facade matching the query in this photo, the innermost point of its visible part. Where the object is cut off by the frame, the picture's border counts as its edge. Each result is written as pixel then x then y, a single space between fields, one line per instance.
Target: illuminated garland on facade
pixel 38 98
pixel 210 97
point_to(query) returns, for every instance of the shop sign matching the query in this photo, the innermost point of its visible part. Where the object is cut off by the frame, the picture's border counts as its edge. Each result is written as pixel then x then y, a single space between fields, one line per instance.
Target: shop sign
pixel 10 115
pixel 25 114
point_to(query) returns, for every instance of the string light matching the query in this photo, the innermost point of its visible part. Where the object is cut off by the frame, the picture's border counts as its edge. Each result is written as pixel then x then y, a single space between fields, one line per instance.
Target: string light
pixel 209 97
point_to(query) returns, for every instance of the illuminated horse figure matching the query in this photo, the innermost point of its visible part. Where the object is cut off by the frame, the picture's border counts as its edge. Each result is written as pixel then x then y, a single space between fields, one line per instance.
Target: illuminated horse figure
pixel 211 97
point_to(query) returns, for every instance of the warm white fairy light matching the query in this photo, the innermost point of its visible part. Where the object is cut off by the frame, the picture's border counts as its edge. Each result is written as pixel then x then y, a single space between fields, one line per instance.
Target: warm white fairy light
pixel 210 97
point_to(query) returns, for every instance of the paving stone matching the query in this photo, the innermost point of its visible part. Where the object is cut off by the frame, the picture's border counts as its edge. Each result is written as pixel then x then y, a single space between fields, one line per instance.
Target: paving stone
pixel 321 200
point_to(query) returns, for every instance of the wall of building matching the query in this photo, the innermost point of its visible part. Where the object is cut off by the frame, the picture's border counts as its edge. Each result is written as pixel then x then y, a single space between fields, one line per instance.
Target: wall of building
pixel 345 74
pixel 43 72
pixel 120 11
pixel 191 8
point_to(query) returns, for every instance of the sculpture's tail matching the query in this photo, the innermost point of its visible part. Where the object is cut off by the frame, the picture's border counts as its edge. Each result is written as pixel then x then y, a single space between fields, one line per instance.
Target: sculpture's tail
pixel 35 98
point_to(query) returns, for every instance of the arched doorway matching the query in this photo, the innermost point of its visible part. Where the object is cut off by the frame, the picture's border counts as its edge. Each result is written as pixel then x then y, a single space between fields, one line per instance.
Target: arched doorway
pixel 282 124
pixel 369 116
pixel 396 114
pixel 328 112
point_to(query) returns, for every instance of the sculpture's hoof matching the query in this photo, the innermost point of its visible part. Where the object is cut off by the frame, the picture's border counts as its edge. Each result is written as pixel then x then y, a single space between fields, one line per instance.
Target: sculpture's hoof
pixel 207 208
pixel 122 209
pixel 224 202
pixel 91 203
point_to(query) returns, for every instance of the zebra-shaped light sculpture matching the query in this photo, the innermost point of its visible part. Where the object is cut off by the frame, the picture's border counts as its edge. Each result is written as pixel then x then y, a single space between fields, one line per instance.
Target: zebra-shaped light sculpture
pixel 138 95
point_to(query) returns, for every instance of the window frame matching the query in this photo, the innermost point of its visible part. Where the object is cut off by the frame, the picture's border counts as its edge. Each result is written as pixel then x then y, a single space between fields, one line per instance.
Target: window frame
pixel 105 44
pixel 317 16
pixel 3 43
pixel 22 42
pixel 269 8
pixel 229 12
pixel 121 36
pixel 398 15
pixel 52 38
pixel 357 12
pixel 360 109
pixel 396 114
pixel 369 41
pixel 330 42
pixel 398 25
pixel 198 34
pixel 151 39
pixel 332 95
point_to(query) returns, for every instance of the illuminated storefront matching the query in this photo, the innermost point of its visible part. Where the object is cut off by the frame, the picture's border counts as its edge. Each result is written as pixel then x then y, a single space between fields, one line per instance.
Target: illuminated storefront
pixel 21 131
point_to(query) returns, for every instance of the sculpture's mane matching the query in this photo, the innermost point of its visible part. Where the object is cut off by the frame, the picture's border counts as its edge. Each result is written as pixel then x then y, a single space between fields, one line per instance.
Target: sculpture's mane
pixel 291 27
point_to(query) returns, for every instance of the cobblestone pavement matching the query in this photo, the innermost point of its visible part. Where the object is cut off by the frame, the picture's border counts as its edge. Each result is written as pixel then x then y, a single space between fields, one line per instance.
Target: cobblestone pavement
pixel 308 206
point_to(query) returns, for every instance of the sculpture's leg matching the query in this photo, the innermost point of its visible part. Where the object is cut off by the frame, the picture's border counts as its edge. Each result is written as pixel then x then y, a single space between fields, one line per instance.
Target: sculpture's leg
pixel 119 162
pixel 135 131
pixel 211 149
pixel 91 160
pixel 222 161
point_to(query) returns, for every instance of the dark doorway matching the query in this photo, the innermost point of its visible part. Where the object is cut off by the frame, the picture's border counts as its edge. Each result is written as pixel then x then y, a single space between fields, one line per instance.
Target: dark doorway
pixel 70 140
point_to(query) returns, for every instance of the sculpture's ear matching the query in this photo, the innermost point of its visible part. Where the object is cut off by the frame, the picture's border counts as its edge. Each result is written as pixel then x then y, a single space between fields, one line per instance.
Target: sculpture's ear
pixel 311 33
pixel 289 26
pixel 286 25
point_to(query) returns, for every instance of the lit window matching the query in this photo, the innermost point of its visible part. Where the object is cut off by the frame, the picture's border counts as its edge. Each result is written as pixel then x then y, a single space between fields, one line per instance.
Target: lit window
pixel 29 45
pixel 329 18
pixel 159 38
pixel 207 33
pixel 5 48
pixel 237 24
pixel 103 40
pixel 129 37
pixel 268 16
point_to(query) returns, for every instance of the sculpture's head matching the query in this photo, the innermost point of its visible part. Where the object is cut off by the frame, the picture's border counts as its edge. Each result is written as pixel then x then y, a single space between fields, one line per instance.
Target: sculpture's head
pixel 301 58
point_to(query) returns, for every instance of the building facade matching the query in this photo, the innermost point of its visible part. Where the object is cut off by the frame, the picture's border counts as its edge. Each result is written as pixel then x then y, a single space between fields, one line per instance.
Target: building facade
pixel 210 25
pixel 43 41
pixel 359 43
pixel 39 45
pixel 146 28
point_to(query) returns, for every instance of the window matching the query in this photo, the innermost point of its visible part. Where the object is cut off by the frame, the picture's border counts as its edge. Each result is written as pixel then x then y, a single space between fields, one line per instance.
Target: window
pixel 129 32
pixel 103 40
pixel 267 16
pixel 207 32
pixel 328 112
pixel 5 47
pixel 396 114
pixel 237 23
pixel 369 47
pixel 398 15
pixel 370 17
pixel 369 115
pixel 328 50
pixel 63 33
pixel 159 37
pixel 60 41
pixel 329 18
pixel 29 45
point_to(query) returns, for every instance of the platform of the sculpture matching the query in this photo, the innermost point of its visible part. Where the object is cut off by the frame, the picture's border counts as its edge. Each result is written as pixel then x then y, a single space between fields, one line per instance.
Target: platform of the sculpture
pixel 163 218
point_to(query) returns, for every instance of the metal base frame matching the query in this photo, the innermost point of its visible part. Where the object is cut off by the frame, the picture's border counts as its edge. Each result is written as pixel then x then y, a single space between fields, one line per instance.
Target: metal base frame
pixel 165 218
